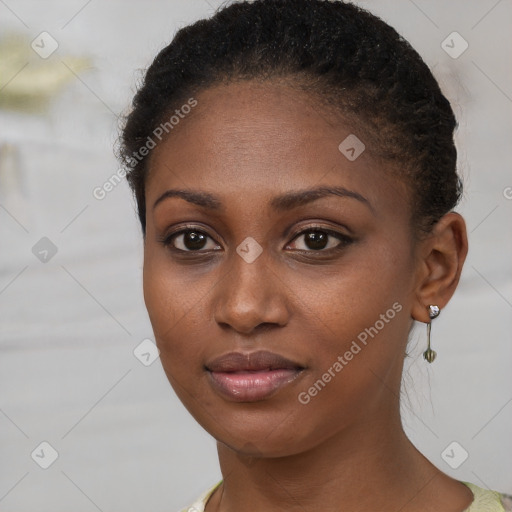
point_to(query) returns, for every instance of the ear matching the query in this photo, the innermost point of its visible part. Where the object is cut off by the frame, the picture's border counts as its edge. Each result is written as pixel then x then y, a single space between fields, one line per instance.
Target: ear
pixel 440 259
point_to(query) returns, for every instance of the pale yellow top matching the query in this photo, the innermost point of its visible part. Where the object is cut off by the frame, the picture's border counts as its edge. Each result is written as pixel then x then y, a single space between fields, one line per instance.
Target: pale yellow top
pixel 484 501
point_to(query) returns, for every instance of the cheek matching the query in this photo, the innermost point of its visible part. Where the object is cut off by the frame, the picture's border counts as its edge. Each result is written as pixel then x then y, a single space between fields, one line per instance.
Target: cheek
pixel 173 300
pixel 357 328
pixel 341 304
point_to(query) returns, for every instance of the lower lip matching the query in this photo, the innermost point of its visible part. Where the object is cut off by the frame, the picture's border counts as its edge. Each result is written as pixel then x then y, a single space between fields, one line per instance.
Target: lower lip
pixel 251 386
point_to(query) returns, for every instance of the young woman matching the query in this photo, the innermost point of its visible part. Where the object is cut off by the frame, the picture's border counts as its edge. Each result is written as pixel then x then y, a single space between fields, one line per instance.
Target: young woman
pixel 295 173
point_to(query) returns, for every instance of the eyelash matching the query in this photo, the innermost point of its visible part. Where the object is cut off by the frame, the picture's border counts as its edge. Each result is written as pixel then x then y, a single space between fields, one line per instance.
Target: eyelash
pixel 344 240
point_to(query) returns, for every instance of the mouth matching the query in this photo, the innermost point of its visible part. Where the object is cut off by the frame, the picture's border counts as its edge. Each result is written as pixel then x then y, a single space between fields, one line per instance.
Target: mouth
pixel 251 377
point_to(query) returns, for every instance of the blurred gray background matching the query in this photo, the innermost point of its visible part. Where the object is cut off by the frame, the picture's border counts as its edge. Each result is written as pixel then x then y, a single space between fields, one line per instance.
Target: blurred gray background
pixel 70 320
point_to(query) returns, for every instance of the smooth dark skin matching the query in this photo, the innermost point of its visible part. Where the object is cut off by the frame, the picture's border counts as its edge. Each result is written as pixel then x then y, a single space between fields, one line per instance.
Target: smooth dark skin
pixel 247 143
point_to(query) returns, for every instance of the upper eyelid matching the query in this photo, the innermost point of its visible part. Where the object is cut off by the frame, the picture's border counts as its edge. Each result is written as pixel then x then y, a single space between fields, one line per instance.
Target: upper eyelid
pixel 317 227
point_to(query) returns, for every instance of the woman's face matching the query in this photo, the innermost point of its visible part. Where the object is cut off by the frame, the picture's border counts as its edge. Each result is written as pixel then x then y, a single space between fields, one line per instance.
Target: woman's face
pixel 281 314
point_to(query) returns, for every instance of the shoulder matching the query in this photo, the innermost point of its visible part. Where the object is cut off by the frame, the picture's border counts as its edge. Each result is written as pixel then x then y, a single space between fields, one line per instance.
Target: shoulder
pixel 488 501
pixel 200 503
pixel 485 500
pixel 506 499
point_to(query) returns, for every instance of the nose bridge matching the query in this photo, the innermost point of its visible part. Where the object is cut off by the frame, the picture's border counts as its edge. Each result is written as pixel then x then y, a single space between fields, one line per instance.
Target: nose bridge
pixel 249 293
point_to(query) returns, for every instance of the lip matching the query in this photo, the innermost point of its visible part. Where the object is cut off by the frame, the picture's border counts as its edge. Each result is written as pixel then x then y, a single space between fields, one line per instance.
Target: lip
pixel 251 377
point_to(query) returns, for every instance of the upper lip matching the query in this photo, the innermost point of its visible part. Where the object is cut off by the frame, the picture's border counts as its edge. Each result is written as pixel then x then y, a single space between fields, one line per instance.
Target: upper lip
pixel 253 361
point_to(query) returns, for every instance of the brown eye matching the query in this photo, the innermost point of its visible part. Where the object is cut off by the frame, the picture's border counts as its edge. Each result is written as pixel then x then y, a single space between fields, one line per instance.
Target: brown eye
pixel 318 239
pixel 191 240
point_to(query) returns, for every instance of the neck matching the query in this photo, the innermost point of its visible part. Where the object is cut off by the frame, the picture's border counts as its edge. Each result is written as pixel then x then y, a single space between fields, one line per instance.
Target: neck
pixel 364 467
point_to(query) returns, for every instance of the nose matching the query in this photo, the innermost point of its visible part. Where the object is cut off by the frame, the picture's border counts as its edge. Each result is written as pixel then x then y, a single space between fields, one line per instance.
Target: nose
pixel 251 296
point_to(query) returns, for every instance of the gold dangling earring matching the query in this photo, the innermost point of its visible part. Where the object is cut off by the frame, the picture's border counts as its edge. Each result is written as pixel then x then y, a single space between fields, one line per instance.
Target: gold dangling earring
pixel 429 354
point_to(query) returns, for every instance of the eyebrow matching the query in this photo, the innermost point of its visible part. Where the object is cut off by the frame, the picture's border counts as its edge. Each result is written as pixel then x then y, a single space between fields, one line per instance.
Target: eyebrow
pixel 283 202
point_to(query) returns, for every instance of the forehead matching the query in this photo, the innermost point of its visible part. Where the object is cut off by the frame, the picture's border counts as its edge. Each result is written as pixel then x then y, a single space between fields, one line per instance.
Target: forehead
pixel 255 138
